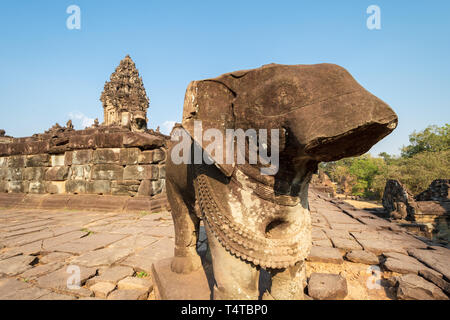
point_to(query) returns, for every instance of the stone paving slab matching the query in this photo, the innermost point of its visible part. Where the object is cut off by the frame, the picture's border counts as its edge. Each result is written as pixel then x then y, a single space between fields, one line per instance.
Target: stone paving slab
pixel 37 247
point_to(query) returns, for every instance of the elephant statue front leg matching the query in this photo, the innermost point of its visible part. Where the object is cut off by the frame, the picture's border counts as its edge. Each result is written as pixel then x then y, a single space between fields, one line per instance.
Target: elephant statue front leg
pixel 236 279
pixel 186 225
pixel 288 283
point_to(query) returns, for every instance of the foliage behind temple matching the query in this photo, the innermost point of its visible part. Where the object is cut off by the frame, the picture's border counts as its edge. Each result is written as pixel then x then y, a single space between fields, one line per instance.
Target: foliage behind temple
pixel 426 158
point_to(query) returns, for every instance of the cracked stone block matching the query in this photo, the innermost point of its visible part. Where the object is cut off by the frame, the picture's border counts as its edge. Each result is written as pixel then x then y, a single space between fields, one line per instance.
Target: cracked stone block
pixel 81 157
pixel 325 286
pixel 110 155
pixel 57 160
pixel 112 275
pixel 16 265
pixel 345 244
pixel 128 295
pixel 322 243
pixel 318 234
pixel 435 259
pixel 16 162
pixel 55 257
pixel 338 234
pixel 28 238
pixel 36 187
pixel 4 186
pixel 402 266
pixel 90 243
pixel 31 293
pixel 362 256
pixel 134 283
pixel 13 174
pixel 64 278
pixel 436 278
pixel 162 231
pixel 401 263
pixel 75 186
pixel 158 156
pixel 141 172
pixel 80 172
pixel 130 156
pixel 413 287
pixel 145 188
pixel 48 244
pixel 56 296
pixel 106 256
pixel 38 160
pixel 8 286
pixel 125 187
pixel 18 186
pixel 33 173
pixel 59 173
pixel 55 187
pixel 146 157
pixel 98 187
pixel 107 172
pixel 143 260
pixel 323 254
pixel 102 289
pixel 381 245
pixel 40 270
pixel 3 161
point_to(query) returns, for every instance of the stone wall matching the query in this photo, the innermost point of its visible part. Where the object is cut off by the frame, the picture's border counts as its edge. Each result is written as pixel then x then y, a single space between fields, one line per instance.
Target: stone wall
pixel 429 212
pixel 104 160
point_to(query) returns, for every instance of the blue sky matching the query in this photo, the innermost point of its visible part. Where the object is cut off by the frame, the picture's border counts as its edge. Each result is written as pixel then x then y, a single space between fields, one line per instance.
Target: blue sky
pixel 50 73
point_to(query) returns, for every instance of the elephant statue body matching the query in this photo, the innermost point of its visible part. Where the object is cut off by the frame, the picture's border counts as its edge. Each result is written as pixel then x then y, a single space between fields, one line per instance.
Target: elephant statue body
pixel 255 220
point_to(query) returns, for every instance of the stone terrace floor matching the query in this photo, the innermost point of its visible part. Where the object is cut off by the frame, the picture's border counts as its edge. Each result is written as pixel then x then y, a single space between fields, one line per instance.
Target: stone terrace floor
pixel 42 251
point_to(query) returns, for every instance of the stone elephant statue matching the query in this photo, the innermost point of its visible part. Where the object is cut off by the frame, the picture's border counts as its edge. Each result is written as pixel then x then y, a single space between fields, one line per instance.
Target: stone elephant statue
pixel 256 220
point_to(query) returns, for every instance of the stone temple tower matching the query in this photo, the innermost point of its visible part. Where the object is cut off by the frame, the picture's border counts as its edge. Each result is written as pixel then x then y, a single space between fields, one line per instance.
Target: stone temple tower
pixel 124 99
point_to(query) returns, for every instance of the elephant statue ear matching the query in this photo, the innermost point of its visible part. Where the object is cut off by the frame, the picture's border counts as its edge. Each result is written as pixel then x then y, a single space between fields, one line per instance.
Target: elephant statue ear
pixel 209 104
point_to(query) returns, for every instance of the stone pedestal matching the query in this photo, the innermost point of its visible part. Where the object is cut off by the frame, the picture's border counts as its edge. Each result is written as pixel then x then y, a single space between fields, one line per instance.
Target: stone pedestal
pixel 169 285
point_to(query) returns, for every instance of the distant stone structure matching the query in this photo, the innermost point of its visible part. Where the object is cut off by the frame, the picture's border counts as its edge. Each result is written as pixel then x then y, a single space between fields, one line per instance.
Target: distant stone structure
pixel 104 160
pixel 439 190
pixel 429 211
pixel 119 158
pixel 323 183
pixel 397 201
pixel 124 99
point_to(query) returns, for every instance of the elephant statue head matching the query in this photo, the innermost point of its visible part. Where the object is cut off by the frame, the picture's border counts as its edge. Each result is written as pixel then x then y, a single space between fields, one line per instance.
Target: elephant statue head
pixel 314 113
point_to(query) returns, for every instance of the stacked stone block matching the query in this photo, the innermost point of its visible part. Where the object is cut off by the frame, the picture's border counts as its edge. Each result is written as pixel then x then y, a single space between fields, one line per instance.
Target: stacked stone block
pixel 109 171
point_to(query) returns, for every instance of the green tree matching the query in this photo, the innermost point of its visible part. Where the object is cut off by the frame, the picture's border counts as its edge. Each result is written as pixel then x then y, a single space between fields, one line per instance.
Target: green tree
pixel 432 139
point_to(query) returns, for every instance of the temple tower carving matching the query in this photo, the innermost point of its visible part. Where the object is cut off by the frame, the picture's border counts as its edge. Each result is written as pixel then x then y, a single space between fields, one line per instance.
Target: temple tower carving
pixel 124 99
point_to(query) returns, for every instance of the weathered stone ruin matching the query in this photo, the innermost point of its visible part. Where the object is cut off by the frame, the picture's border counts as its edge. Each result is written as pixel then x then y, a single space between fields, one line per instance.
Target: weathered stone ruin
pixel 439 190
pixel 323 183
pixel 429 211
pixel 120 157
pixel 124 99
pixel 256 221
pixel 397 201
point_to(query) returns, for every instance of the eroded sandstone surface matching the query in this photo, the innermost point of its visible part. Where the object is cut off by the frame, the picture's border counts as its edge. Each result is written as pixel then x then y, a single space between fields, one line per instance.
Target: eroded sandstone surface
pixel 371 257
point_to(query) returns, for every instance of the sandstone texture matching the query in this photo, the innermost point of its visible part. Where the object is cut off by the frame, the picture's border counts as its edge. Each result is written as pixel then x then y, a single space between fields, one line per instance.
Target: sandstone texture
pixel 120 157
pixel 50 255
pixel 427 213
pixel 324 286
pixel 40 245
